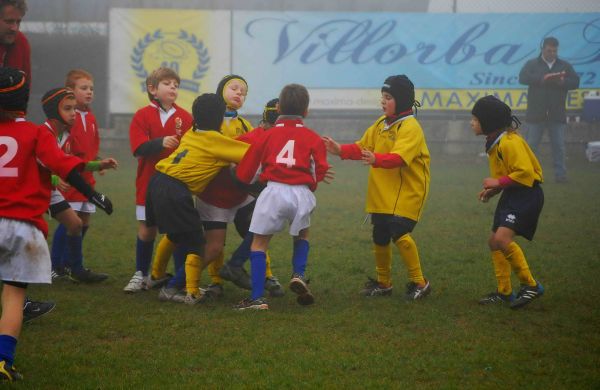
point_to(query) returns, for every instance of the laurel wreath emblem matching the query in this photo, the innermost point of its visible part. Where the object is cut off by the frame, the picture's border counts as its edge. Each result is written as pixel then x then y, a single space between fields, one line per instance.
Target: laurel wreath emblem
pixel 137 63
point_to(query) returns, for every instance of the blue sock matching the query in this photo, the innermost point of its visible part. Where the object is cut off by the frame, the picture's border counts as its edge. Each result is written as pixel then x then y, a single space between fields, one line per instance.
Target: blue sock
pixel 300 257
pixel 74 253
pixel 258 271
pixel 59 242
pixel 143 255
pixel 178 281
pixel 242 253
pixel 179 255
pixel 8 344
pixel 65 253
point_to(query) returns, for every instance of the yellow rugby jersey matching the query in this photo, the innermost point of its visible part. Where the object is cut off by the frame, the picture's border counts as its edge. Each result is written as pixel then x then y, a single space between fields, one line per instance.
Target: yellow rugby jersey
pixel 399 191
pixel 511 156
pixel 200 156
pixel 234 127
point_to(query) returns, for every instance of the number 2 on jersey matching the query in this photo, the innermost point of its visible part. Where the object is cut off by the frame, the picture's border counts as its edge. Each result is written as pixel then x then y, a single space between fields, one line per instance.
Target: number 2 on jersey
pixel 11 151
pixel 286 155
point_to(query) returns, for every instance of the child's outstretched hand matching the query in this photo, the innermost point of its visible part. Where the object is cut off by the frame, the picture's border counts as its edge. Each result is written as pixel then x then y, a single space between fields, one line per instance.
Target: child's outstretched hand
pixel 170 142
pixel 332 146
pixel 485 194
pixel 368 157
pixel 108 163
pixel 329 176
pixel 490 182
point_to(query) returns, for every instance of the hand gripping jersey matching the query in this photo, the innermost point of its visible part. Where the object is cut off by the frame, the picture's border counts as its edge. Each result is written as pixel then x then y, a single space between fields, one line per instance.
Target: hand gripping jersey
pixel 288 153
pixel 145 126
pixel 84 143
pixel 24 182
pixel 403 190
pixel 199 158
pixel 511 156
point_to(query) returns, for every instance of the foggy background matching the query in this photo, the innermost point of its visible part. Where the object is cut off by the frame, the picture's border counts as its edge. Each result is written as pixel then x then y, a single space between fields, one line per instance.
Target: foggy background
pixel 67 34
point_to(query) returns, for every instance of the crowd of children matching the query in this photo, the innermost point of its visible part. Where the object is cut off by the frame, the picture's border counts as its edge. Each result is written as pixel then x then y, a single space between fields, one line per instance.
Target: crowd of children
pixel 198 172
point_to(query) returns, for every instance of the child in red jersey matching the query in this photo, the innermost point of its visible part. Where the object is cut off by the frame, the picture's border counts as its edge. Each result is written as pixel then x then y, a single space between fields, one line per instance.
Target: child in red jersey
pixel 84 143
pixel 59 107
pixel 29 154
pixel 292 159
pixel 154 133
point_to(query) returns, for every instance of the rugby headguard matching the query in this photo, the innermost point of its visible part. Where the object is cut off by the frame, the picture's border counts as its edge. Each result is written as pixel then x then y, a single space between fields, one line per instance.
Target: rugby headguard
pixel 493 114
pixel 14 91
pixel 208 110
pixel 51 101
pixel 402 90
pixel 225 80
pixel 270 113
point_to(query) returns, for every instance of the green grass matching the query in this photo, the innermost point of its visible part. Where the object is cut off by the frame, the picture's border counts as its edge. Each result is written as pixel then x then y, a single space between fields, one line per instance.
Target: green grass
pixel 98 337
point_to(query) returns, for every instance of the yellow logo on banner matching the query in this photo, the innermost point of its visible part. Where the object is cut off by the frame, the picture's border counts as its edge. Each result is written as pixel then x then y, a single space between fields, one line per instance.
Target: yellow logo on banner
pixel 179 50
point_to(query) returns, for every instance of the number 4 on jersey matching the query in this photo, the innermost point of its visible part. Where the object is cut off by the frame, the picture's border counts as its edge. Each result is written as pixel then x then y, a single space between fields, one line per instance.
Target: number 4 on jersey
pixel 286 155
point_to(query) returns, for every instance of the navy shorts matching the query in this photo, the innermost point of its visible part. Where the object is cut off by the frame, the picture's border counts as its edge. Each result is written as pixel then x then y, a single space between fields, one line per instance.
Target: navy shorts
pixel 519 209
pixel 170 206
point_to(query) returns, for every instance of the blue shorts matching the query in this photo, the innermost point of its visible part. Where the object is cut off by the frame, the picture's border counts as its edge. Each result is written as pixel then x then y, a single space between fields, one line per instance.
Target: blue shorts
pixel 519 209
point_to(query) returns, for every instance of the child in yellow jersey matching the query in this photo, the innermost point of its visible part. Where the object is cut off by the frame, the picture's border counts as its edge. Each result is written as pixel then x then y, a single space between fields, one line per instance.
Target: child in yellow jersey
pixel 394 146
pixel 516 172
pixel 233 89
pixel 201 154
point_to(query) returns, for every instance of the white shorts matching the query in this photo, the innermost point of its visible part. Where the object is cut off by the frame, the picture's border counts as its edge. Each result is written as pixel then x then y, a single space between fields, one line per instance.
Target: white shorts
pixel 56 197
pixel 24 255
pixel 210 213
pixel 140 212
pixel 280 203
pixel 83 207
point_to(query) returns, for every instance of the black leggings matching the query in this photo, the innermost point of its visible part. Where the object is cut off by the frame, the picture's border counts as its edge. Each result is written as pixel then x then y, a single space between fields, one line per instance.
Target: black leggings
pixel 388 227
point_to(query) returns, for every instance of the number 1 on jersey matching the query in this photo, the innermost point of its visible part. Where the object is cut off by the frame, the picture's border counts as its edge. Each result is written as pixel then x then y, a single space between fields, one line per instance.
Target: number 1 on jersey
pixel 286 155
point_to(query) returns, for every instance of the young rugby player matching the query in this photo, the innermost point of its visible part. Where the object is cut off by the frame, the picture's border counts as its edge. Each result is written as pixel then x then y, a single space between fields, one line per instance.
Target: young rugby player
pixel 202 153
pixel 291 159
pixel 154 133
pixel 31 153
pixel 85 144
pixel 59 107
pixel 516 172
pixel 394 147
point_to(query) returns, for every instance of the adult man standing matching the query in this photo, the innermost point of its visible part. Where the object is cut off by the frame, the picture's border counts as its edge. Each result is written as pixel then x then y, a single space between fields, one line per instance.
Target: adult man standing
pixel 16 53
pixel 14 47
pixel 549 79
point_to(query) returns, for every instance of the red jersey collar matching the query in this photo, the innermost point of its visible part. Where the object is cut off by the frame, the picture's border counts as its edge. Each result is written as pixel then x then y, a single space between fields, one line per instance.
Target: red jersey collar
pixel 289 120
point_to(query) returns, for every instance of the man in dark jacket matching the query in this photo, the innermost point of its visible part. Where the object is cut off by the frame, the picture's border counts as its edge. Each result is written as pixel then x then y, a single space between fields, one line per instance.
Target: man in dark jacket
pixel 549 78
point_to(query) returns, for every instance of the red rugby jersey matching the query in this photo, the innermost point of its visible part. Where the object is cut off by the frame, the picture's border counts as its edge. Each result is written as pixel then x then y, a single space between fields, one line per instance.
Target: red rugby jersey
pixel 145 126
pixel 288 153
pixel 25 183
pixel 84 141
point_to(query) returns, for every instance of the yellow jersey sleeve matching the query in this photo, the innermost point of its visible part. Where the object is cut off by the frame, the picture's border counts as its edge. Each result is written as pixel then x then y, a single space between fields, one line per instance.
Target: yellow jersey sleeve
pixel 512 157
pixel 200 156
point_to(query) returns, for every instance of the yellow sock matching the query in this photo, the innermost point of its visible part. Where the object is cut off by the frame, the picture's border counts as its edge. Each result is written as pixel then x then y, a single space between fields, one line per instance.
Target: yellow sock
pixel 214 268
pixel 516 257
pixel 193 271
pixel 383 264
pixel 408 250
pixel 269 273
pixel 164 251
pixel 502 271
